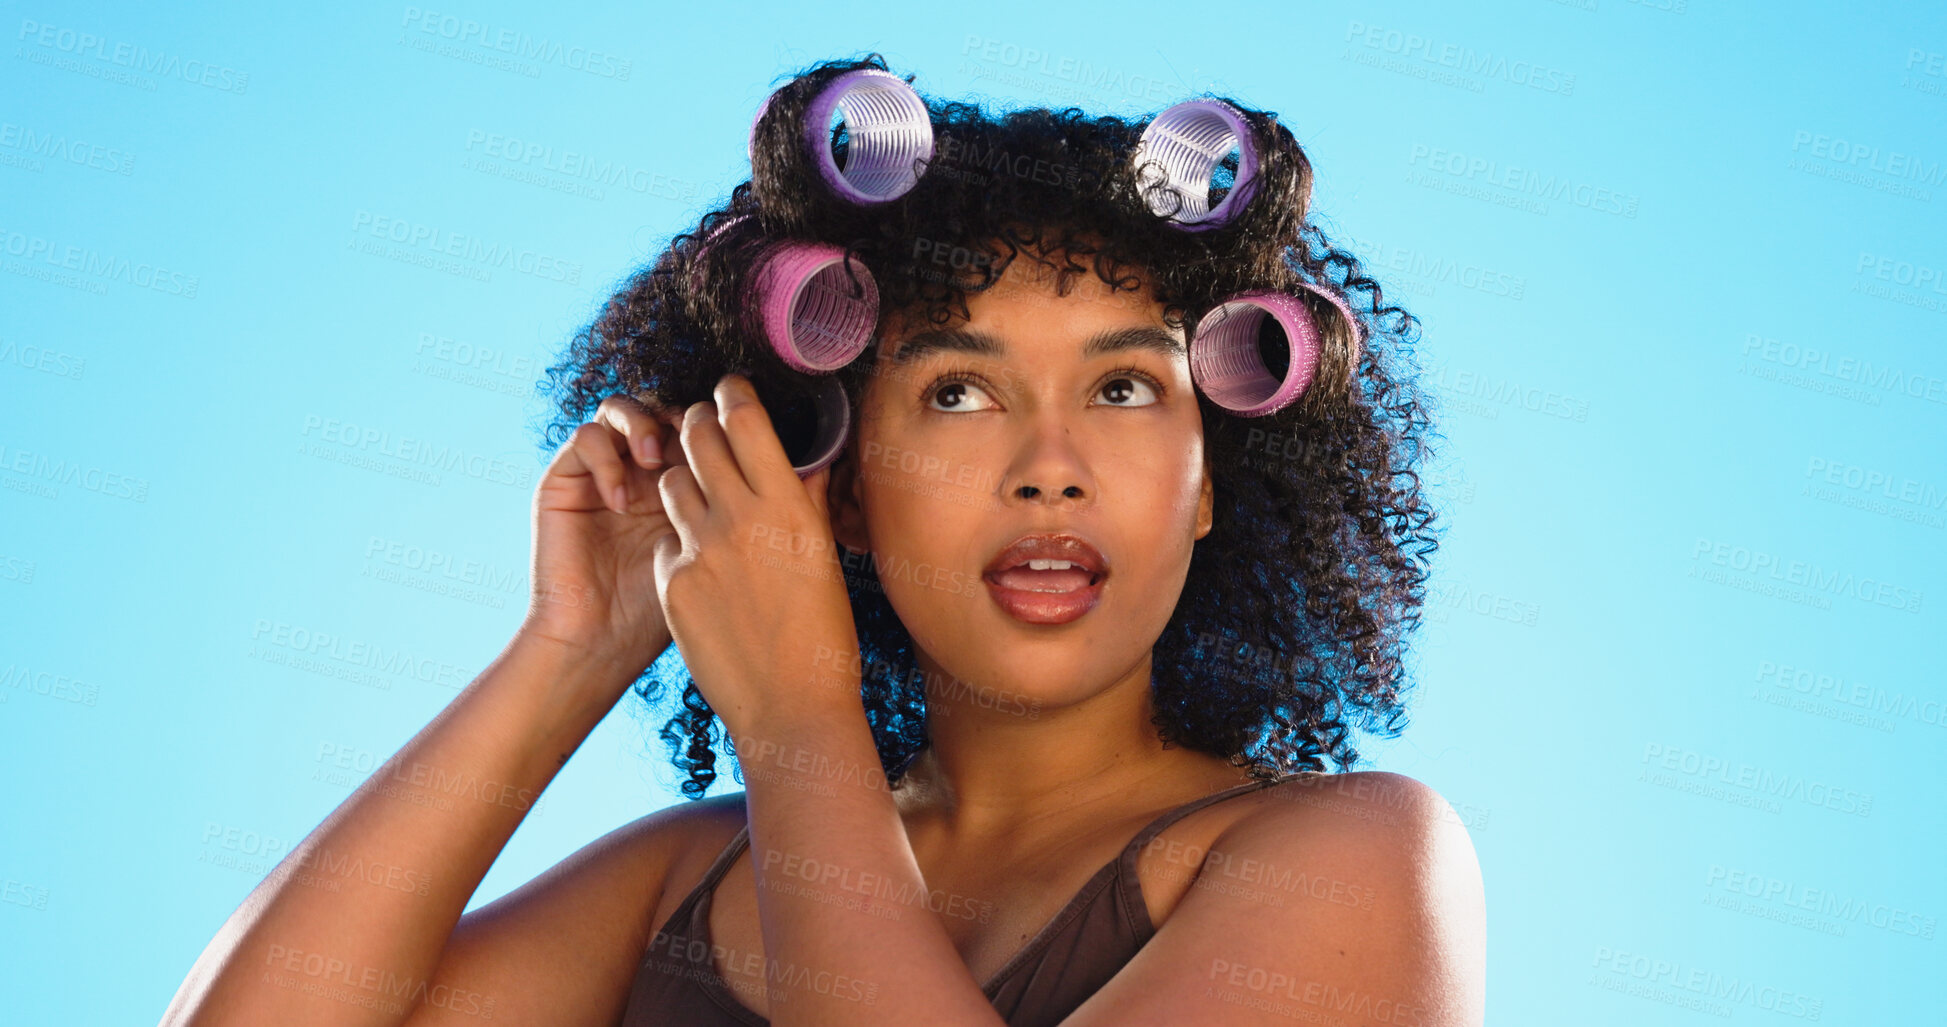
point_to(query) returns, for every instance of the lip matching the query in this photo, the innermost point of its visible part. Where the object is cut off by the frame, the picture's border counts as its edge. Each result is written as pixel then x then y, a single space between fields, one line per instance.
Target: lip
pixel 1047 607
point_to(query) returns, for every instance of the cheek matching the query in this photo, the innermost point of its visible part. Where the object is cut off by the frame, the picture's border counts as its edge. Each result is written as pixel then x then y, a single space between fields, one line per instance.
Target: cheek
pixel 1162 476
pixel 925 572
pixel 925 529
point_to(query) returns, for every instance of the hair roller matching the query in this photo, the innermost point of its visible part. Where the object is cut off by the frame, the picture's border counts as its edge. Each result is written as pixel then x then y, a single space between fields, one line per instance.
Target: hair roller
pixel 803 303
pixel 832 409
pixel 809 310
pixel 811 416
pixel 1227 362
pixel 888 130
pixel 1189 141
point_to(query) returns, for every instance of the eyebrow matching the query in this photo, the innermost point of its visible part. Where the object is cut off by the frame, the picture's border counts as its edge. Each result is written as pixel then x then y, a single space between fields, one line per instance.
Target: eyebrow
pixel 967 340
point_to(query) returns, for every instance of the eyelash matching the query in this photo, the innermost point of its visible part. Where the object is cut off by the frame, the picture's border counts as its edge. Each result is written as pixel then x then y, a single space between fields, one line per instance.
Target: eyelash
pixel 1125 371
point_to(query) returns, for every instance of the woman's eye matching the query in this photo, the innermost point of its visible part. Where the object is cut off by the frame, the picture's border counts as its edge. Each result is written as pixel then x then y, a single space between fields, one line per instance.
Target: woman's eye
pixel 1121 388
pixel 956 395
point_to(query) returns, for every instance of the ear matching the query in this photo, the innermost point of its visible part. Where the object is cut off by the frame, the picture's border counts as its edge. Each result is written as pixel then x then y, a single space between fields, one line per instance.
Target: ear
pixel 845 506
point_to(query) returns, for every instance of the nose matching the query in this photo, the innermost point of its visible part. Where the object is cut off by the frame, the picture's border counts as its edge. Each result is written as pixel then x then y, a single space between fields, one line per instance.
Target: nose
pixel 1048 469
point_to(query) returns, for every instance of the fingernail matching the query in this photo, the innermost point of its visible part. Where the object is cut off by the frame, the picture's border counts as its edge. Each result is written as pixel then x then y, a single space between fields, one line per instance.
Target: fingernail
pixel 620 494
pixel 652 450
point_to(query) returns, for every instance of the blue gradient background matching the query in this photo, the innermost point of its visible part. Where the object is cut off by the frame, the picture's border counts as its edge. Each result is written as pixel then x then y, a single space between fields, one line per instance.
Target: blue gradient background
pixel 1658 420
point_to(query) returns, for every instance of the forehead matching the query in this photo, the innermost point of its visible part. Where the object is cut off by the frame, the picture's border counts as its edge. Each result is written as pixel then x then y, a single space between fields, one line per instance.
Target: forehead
pixel 1034 305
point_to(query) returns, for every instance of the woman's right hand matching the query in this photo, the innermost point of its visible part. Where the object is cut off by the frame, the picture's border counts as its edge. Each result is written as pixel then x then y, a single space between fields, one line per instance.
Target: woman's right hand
pixel 598 512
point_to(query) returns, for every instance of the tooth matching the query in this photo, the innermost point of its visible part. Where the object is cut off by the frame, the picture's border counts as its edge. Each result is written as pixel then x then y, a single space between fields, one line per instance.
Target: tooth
pixel 1049 565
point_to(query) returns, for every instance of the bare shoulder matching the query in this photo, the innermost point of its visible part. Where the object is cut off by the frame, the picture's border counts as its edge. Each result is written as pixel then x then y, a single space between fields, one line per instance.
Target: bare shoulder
pixel 1397 829
pixel 564 947
pixel 1351 898
pixel 1383 799
pixel 1389 875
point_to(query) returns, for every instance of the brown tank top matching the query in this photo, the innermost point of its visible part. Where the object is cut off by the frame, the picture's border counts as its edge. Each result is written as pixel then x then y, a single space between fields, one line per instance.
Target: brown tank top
pixel 1072 956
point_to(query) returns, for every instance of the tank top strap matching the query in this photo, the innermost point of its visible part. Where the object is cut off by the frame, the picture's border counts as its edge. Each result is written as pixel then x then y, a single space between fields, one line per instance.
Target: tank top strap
pixel 1171 816
pixel 721 866
pixel 711 877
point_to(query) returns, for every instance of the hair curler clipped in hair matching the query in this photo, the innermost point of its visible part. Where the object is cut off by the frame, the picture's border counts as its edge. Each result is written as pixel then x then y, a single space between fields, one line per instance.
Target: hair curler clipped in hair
pixel 808 309
pixel 812 422
pixel 1190 140
pixel 888 132
pixel 1227 349
pixel 800 296
pixel 804 301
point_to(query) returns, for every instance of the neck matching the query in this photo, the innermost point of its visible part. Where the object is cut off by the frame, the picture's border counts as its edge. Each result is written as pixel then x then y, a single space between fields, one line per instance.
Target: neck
pixel 999 762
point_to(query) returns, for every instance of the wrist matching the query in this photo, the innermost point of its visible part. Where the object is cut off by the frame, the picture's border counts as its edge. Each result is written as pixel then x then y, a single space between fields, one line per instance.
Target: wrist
pixel 800 720
pixel 593 639
pixel 573 666
pixel 814 749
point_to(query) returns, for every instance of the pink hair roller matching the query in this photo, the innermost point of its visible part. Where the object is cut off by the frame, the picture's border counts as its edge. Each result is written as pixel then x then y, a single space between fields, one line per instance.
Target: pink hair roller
pixel 1224 358
pixel 1189 140
pixel 805 301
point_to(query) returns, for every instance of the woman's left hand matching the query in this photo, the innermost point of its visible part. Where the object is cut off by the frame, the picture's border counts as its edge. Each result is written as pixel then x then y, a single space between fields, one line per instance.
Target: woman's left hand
pixel 750 579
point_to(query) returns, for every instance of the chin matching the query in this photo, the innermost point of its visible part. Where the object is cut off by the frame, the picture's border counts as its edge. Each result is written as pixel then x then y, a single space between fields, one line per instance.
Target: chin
pixel 1026 679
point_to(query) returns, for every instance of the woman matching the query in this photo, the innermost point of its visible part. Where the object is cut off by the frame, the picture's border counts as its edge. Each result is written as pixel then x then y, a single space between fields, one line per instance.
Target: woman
pixel 1031 688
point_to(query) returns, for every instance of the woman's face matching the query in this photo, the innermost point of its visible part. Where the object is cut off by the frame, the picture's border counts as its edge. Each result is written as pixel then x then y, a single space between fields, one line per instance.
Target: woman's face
pixel 1042 413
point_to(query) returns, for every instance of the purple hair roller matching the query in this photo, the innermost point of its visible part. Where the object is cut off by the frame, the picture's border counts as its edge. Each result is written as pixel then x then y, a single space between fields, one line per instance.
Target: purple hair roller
pixel 1224 358
pixel 809 314
pixel 887 126
pixel 1189 140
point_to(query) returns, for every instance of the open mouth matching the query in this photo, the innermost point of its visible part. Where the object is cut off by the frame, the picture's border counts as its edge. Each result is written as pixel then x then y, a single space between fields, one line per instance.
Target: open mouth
pixel 1047 578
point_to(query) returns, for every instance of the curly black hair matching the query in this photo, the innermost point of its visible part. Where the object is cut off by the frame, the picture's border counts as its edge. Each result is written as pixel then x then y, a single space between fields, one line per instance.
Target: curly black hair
pixel 1293 622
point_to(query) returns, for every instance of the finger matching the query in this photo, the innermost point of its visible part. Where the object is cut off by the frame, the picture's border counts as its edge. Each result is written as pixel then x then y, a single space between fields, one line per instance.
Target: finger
pixel 600 449
pixel 638 424
pixel 669 428
pixel 752 437
pixel 711 462
pixel 684 502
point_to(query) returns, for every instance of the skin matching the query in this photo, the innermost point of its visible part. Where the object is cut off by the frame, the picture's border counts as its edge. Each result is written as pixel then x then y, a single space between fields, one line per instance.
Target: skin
pixel 1354 897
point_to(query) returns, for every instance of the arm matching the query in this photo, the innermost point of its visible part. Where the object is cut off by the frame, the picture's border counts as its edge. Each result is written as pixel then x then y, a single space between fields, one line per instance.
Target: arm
pixel 351 927
pixel 773 648
pixel 358 924
pixel 840 896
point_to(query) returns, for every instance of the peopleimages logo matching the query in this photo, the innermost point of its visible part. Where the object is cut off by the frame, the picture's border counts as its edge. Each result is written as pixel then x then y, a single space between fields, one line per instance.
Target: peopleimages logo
pixel 1523 181
pixel 1465 59
pixel 1760 782
pixel 1822 901
pixel 1818 579
pixel 136 58
pixel 98 266
pixel 582 168
pixel 518 44
pixel 1840 150
pixel 55 146
pixel 417 453
pixel 436 241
